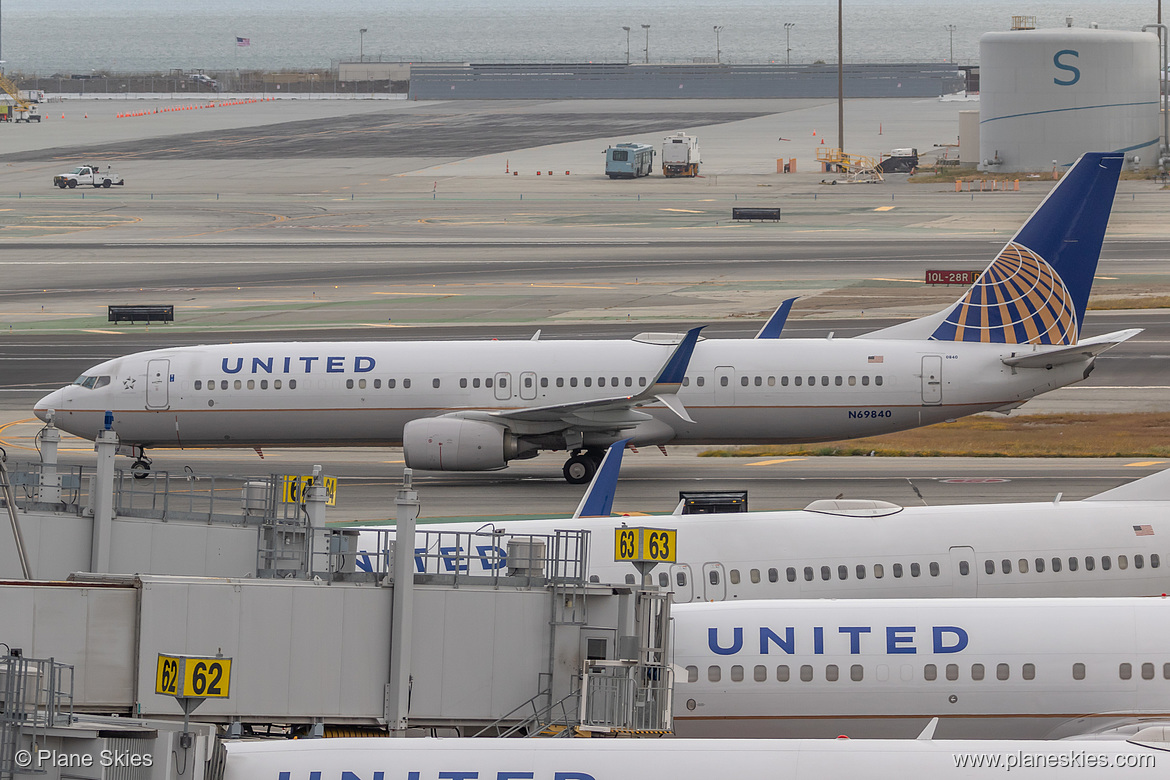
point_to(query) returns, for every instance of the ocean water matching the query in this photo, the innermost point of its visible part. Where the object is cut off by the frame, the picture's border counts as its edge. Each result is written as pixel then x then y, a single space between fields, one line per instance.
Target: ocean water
pixel 47 37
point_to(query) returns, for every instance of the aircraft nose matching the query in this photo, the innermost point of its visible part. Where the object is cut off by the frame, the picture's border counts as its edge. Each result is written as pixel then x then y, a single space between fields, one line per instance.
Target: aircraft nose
pixel 45 405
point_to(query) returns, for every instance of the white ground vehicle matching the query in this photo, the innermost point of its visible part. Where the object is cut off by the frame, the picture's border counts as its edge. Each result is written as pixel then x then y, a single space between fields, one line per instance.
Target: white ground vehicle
pixel 88 174
pixel 680 155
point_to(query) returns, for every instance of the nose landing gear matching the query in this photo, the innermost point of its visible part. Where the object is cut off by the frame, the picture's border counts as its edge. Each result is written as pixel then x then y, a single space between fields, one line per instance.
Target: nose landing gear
pixel 140 468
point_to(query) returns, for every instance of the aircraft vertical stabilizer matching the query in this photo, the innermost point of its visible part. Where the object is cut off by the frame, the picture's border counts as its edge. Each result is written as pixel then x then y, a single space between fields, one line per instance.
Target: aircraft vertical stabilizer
pixel 1036 290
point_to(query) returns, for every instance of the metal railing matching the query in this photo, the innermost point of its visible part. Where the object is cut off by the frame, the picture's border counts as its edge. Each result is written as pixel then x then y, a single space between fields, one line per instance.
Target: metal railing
pixel 453 557
pixel 625 696
pixel 530 719
pixel 163 495
pixel 38 695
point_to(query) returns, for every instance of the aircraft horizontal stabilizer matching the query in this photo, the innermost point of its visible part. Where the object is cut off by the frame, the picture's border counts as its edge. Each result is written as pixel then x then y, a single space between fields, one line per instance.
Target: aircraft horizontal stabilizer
pixel 1155 487
pixel 1085 349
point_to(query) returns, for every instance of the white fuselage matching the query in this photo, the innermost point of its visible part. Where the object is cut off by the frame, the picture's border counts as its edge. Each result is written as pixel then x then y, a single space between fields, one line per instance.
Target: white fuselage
pixel 363 393
pixel 989 668
pixel 681 759
pixel 1070 548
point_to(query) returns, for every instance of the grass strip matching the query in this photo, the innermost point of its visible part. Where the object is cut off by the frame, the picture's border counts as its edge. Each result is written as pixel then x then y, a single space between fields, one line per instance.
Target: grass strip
pixel 1127 435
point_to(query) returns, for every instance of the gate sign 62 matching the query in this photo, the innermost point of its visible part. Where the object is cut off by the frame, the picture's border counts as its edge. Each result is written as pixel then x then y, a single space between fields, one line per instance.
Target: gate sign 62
pixel 653 545
pixel 188 676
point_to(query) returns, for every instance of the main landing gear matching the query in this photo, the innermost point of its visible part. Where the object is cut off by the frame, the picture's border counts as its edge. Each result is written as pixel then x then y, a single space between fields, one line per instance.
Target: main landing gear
pixel 580 468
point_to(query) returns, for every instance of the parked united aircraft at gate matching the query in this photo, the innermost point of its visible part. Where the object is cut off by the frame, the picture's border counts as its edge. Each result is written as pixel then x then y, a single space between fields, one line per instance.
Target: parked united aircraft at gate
pixel 1115 543
pixel 690 759
pixel 988 668
pixel 468 406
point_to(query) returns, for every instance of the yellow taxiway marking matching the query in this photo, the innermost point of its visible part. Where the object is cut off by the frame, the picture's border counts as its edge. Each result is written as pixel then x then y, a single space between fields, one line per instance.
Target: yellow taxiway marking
pixel 429 294
pixel 382 325
pixel 1146 463
pixel 885 208
pixel 574 286
pixel 1110 278
pixel 684 211
pixel 886 279
pixel 773 462
pixel 94 330
pixel 394 461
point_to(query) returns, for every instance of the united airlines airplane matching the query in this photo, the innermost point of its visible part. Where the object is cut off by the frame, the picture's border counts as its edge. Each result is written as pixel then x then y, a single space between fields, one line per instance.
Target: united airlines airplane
pixel 691 759
pixel 988 668
pixel 470 406
pixel 1107 545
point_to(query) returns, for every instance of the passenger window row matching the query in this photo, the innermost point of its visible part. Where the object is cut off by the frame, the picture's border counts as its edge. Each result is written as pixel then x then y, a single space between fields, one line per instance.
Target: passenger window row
pixel 757 380
pixel 930 672
pixel 240 384
pixel 1038 565
pixel 840 572
pixel 826 573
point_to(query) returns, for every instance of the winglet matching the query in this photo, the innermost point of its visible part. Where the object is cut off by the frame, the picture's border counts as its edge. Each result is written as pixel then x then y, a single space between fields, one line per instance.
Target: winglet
pixel 775 323
pixel 928 732
pixel 676 367
pixel 598 499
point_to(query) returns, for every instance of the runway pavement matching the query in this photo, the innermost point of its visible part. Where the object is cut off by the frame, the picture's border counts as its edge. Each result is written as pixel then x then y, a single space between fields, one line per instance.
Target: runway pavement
pixel 394 219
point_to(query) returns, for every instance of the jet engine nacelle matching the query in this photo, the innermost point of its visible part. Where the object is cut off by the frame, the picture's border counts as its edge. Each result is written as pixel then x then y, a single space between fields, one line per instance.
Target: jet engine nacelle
pixel 454 444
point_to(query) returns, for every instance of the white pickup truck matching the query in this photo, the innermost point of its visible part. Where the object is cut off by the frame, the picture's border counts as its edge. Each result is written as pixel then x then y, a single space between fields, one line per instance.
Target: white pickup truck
pixel 87 174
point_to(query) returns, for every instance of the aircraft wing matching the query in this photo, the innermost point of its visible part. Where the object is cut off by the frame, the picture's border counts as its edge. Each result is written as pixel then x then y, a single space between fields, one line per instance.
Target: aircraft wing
pixel 606 412
pixel 1083 350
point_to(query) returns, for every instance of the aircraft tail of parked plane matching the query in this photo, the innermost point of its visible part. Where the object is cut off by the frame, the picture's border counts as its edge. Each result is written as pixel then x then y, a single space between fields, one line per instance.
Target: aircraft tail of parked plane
pixel 476 405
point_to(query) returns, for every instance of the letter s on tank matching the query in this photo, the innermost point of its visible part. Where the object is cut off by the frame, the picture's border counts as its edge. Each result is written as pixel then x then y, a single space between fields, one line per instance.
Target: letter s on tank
pixel 1075 71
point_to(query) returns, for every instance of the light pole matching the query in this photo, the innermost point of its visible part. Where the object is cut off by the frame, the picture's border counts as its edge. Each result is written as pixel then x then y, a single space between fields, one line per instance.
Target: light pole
pixel 950 28
pixel 788 42
pixel 362 44
pixel 646 27
pixel 627 29
pixel 718 29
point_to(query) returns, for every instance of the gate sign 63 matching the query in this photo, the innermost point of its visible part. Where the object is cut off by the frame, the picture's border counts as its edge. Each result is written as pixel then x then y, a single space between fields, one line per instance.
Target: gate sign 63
pixel 188 676
pixel 653 545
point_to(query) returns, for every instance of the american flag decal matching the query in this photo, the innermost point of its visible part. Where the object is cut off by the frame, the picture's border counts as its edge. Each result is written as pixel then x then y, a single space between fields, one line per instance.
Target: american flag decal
pixel 875 359
pixel 1143 530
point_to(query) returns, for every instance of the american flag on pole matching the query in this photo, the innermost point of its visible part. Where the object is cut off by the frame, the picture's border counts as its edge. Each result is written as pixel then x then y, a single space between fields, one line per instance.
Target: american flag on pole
pixel 875 359
pixel 1143 530
pixel 243 41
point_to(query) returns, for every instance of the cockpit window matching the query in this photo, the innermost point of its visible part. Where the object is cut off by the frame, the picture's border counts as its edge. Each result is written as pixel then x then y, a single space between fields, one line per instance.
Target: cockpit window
pixel 92 382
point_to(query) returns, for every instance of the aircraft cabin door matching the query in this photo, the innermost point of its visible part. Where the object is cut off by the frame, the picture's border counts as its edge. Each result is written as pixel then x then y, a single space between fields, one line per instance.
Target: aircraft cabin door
pixel 714 582
pixel 724 385
pixel 932 379
pixel 528 386
pixel 158 375
pixel 963 573
pixel 503 386
pixel 680 583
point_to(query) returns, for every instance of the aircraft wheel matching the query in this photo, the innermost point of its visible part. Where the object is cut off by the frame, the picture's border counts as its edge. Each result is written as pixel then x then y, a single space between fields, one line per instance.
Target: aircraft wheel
pixel 140 469
pixel 579 469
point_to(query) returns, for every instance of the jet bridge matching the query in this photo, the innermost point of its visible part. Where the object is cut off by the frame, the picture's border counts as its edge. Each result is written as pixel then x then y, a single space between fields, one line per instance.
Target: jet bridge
pixel 505 638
